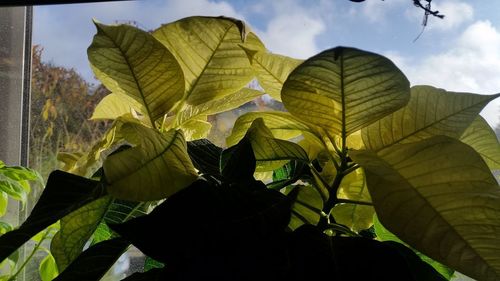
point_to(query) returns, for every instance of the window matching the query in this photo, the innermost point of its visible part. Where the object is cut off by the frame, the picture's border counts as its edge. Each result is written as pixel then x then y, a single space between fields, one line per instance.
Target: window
pixel 459 53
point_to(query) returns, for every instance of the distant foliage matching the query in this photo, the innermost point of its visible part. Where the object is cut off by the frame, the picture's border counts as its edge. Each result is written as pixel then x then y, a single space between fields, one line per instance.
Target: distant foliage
pixel 61 105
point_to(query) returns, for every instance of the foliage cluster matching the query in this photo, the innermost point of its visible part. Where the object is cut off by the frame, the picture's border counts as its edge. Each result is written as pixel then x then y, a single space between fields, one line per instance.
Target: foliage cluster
pixel 15 183
pixel 358 150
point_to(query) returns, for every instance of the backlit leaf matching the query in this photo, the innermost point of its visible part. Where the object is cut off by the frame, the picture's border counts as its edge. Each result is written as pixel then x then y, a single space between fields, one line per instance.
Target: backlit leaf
pixel 155 168
pixel 207 49
pixel 95 261
pixel 480 136
pixel 438 196
pixel 342 90
pixel 196 129
pixel 271 153
pixel 48 268
pixel 281 124
pixel 63 194
pixel 76 229
pixel 385 235
pixel 272 70
pixel 129 61
pixel 431 111
pixel 355 216
pixel 307 204
pixel 219 105
pixel 113 106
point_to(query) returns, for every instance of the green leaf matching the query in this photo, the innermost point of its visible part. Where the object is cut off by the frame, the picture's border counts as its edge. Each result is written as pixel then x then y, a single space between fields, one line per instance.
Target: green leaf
pixel 4 202
pixel 150 263
pixel 132 62
pixel 271 153
pixel 307 204
pixel 13 188
pixel 385 235
pixel 48 268
pixel 19 173
pixel 5 227
pixel 121 211
pixel 281 124
pixel 76 229
pixel 95 261
pixel 208 51
pixel 113 106
pixel 480 136
pixel 102 233
pixel 438 196
pixel 219 105
pixel 63 194
pixel 342 90
pixel 288 174
pixel 155 168
pixel 431 111
pixel 272 70
pixel 155 274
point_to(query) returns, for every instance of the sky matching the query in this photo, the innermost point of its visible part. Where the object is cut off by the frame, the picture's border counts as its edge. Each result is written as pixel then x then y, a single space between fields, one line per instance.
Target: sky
pixel 458 53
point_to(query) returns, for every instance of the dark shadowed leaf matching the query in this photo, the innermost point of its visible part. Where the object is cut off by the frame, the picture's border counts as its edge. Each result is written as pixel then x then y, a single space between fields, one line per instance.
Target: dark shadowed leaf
pixel 205 156
pixel 237 163
pixel 63 194
pixel 233 216
pixel 92 264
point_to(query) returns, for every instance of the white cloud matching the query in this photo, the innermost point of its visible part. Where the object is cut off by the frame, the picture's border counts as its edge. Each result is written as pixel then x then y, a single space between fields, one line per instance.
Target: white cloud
pixel 456 14
pixel 472 64
pixel 378 11
pixel 293 35
pixel 294 27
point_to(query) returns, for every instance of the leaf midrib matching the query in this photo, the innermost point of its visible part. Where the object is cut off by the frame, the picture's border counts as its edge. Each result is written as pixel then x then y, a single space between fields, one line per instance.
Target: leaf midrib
pixel 195 82
pixel 417 192
pixel 434 123
pixel 134 76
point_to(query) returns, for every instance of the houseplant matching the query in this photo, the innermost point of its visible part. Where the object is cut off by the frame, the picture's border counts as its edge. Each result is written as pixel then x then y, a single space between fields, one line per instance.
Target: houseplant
pixel 365 143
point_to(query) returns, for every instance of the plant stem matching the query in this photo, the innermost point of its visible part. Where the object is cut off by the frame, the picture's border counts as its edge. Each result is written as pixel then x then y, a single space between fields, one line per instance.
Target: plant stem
pixel 347 201
pixel 35 249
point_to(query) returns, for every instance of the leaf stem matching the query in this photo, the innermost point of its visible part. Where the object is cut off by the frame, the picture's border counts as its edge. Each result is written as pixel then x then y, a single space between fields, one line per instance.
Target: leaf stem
pixel 35 249
pixel 347 201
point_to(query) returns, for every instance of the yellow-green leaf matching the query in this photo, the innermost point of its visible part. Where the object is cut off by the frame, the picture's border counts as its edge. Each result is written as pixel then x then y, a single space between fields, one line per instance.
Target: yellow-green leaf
pixel 219 105
pixel 195 129
pixel 342 90
pixel 207 48
pixel 281 124
pixel 272 70
pixel 483 139
pixel 113 106
pixel 76 230
pixel 431 111
pixel 48 269
pixel 355 216
pixel 132 62
pixel 90 162
pixel 4 201
pixel 271 153
pixel 155 168
pixel 438 196
pixel 306 207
